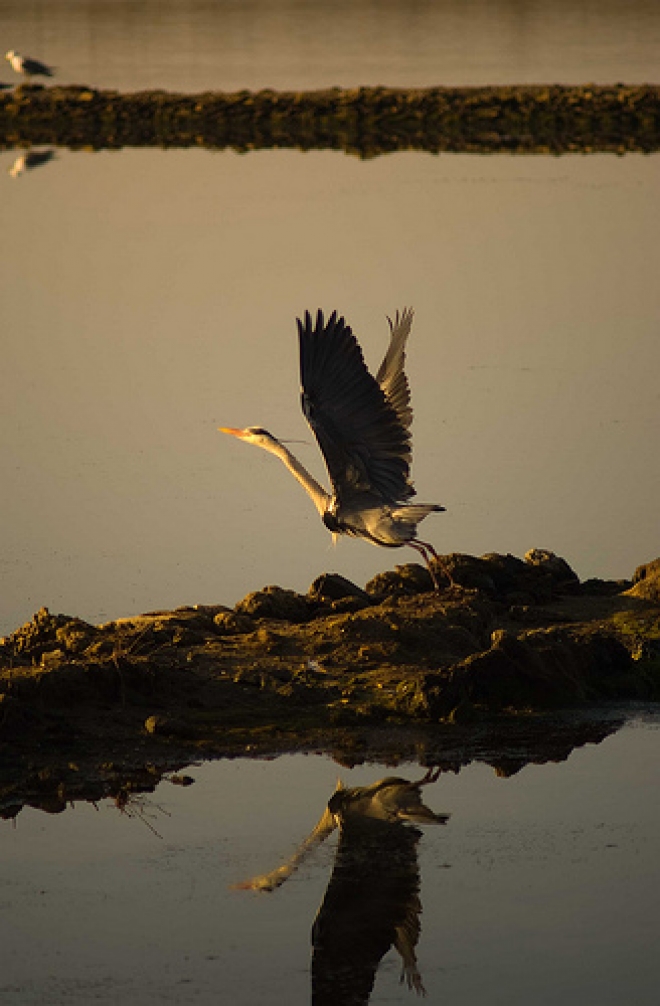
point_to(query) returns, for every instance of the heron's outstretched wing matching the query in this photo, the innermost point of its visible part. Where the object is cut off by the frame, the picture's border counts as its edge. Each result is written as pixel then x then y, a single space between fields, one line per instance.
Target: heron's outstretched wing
pixel 391 376
pixel 364 441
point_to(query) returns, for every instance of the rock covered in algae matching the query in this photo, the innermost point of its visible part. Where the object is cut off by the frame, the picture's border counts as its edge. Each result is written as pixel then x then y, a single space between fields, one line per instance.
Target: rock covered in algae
pixel 509 635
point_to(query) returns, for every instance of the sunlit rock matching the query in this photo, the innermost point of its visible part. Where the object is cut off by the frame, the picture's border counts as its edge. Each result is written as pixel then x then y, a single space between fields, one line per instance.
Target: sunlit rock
pixel 275 602
pixel 646 581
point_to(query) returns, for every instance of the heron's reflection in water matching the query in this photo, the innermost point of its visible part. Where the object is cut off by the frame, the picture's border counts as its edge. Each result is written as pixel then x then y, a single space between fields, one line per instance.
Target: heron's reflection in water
pixel 372 901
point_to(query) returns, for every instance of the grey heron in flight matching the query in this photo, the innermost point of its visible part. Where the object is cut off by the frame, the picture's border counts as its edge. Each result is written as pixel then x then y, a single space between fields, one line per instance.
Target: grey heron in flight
pixel 27 66
pixel 362 425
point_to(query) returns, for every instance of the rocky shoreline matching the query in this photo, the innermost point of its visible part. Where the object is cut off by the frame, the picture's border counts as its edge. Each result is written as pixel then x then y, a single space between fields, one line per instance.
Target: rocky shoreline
pixel 484 668
pixel 365 121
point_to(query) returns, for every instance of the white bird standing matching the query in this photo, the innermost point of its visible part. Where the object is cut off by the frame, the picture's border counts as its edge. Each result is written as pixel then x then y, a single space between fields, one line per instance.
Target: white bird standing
pixel 28 67
pixel 362 425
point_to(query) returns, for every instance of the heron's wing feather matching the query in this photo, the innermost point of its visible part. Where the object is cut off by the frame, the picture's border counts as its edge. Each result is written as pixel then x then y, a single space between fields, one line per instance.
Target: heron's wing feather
pixel 365 444
pixel 391 376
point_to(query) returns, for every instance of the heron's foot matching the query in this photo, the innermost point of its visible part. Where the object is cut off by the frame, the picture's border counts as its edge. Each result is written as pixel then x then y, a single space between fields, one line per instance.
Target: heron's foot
pixel 413 979
pixel 445 571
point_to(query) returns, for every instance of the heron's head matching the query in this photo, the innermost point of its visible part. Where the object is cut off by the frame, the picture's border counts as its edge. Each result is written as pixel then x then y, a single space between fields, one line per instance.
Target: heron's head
pixel 252 435
pixel 10 54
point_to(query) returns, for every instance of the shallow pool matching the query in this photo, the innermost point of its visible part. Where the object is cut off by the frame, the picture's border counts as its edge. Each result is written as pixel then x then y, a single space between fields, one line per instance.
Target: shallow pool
pixel 542 887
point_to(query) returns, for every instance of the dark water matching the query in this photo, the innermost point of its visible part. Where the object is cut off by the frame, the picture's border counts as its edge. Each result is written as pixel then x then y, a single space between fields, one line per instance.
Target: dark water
pixel 541 888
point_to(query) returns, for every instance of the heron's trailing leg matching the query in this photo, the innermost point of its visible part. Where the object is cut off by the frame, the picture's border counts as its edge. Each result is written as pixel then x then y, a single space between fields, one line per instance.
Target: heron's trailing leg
pixel 432 775
pixel 417 545
pixel 441 563
pixel 424 547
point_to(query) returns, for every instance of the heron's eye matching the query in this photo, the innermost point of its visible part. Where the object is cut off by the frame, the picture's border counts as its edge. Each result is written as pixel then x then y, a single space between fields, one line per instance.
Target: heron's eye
pixel 257 430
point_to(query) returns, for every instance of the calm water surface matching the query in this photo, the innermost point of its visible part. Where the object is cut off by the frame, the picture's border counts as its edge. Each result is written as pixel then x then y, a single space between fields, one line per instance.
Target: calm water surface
pixel 541 888
pixel 149 297
pixel 191 45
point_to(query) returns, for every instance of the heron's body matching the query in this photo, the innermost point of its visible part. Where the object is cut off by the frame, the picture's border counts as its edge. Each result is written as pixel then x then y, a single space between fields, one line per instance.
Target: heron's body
pixel 28 67
pixel 362 424
pixel 391 799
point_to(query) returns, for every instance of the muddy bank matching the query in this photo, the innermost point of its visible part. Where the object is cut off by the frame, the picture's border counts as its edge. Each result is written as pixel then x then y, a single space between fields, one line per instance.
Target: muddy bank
pixel 364 121
pixel 392 671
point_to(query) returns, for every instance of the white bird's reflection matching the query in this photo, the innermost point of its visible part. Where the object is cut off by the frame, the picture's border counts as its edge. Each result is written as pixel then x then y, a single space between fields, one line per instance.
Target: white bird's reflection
pixel 31 159
pixel 372 900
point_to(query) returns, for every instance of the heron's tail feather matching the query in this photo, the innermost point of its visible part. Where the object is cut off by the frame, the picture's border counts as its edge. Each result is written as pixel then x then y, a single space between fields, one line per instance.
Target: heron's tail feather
pixel 423 815
pixel 413 513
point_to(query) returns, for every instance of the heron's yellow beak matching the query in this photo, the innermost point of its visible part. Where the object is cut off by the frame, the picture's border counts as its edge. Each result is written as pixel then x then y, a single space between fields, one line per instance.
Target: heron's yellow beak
pixel 230 429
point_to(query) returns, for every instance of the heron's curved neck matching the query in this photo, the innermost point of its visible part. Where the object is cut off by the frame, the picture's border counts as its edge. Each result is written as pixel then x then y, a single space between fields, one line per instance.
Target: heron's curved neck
pixel 319 497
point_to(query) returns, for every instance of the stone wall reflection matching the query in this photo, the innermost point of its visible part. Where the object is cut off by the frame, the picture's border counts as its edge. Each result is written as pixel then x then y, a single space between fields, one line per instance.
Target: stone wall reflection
pixel 366 121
